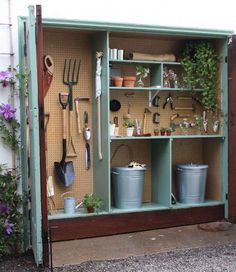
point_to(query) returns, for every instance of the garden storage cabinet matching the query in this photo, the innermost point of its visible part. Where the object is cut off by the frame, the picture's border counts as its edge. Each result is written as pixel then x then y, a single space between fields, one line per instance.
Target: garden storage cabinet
pixel 65 39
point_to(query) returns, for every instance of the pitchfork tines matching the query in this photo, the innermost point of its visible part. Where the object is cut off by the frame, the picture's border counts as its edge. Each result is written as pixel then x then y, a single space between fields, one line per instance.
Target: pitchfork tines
pixel 70 77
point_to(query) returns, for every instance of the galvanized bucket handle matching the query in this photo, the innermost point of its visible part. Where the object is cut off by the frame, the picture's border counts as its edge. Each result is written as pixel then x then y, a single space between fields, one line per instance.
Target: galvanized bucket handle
pixel 118 148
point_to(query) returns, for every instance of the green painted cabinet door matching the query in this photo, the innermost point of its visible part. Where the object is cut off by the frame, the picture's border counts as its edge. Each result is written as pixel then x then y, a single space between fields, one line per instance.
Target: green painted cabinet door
pixel 35 186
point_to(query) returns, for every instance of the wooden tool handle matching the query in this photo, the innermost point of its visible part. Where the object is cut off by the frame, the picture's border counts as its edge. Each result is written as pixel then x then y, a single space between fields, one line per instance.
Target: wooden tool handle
pixel 144 123
pixel 64 123
pixel 184 108
pixel 78 116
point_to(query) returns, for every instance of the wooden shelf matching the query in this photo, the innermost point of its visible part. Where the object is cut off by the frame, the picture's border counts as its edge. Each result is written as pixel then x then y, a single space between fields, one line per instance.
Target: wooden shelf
pixel 114 138
pixel 153 88
pixel 145 62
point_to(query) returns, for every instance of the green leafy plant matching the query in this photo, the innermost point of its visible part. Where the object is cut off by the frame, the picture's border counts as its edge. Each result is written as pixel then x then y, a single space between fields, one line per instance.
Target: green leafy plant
pixel 10 215
pixel 129 123
pixel 142 71
pixel 169 129
pixel 200 67
pixel 198 122
pixel 92 201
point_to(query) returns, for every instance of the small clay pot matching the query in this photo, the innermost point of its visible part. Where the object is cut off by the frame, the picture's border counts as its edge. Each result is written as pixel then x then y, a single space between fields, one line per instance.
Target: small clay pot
pixel 90 209
pixel 117 81
pixel 156 132
pixel 168 133
pixel 129 81
pixel 163 132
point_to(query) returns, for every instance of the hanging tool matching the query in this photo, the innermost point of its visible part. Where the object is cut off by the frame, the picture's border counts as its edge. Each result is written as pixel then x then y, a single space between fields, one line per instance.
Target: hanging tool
pixel 128 95
pixel 146 111
pixel 77 99
pixel 64 170
pixel 156 118
pixel 185 108
pixel 169 100
pixel 48 69
pixel 50 188
pixel 98 97
pixel 216 121
pixel 70 78
pixel 87 136
pixel 156 101
pixel 205 121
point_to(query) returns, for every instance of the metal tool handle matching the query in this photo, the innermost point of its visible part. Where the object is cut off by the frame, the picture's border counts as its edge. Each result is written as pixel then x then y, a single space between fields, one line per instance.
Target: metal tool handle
pixel 88 160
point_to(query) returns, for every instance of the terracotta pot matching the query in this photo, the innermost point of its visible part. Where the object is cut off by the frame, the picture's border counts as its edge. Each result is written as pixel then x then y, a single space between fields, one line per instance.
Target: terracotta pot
pixel 129 81
pixel 163 132
pixel 168 133
pixel 117 81
pixel 90 209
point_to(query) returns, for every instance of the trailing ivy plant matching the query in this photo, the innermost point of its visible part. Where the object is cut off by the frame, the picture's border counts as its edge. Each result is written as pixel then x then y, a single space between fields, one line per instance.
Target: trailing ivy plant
pixel 200 67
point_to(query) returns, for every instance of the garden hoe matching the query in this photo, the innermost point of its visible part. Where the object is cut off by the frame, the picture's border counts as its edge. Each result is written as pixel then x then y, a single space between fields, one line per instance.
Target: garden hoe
pixel 64 170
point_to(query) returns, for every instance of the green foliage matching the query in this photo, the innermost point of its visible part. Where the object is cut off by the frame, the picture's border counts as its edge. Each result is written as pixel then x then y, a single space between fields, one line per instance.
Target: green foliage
pixel 200 64
pixel 9 132
pixel 10 215
pixel 129 123
pixel 142 71
pixel 92 201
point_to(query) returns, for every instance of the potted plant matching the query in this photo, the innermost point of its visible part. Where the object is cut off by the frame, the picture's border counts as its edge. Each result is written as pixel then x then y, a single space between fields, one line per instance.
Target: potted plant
pixel 141 72
pixel 163 131
pixel 156 131
pixel 129 125
pixel 169 131
pixel 200 68
pixel 198 123
pixel 92 202
pixel 184 126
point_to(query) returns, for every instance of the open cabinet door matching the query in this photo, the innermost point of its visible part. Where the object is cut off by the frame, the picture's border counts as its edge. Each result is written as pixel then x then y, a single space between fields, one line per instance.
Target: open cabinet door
pixel 232 127
pixel 35 177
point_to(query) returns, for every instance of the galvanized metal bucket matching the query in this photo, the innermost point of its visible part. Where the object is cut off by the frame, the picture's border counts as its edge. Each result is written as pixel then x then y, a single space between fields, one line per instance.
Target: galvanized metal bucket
pixel 191 181
pixel 128 186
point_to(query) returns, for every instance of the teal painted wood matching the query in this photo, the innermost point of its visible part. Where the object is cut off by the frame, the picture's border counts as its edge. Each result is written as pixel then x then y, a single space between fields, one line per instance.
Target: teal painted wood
pixel 101 179
pixel 23 136
pixel 224 146
pixel 156 75
pixel 122 27
pixel 36 213
pixel 219 136
pixel 154 88
pixel 161 172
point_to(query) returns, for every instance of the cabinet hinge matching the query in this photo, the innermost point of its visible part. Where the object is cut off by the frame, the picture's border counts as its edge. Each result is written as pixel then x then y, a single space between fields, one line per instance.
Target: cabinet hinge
pixel 226 196
pixel 226 59
pixel 230 39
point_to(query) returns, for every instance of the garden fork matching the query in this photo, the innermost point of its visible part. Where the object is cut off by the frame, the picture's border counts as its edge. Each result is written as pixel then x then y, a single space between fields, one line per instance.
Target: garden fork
pixel 70 78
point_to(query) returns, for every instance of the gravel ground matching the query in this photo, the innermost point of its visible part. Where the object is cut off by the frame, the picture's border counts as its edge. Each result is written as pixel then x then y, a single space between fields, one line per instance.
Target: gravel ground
pixel 209 259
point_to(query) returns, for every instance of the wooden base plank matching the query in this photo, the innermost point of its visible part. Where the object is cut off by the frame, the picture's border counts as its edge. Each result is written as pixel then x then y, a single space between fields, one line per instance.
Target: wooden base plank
pixel 102 225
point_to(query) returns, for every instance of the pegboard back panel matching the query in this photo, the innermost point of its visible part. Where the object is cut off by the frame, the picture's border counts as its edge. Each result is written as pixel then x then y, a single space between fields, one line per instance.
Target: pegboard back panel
pixel 61 45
